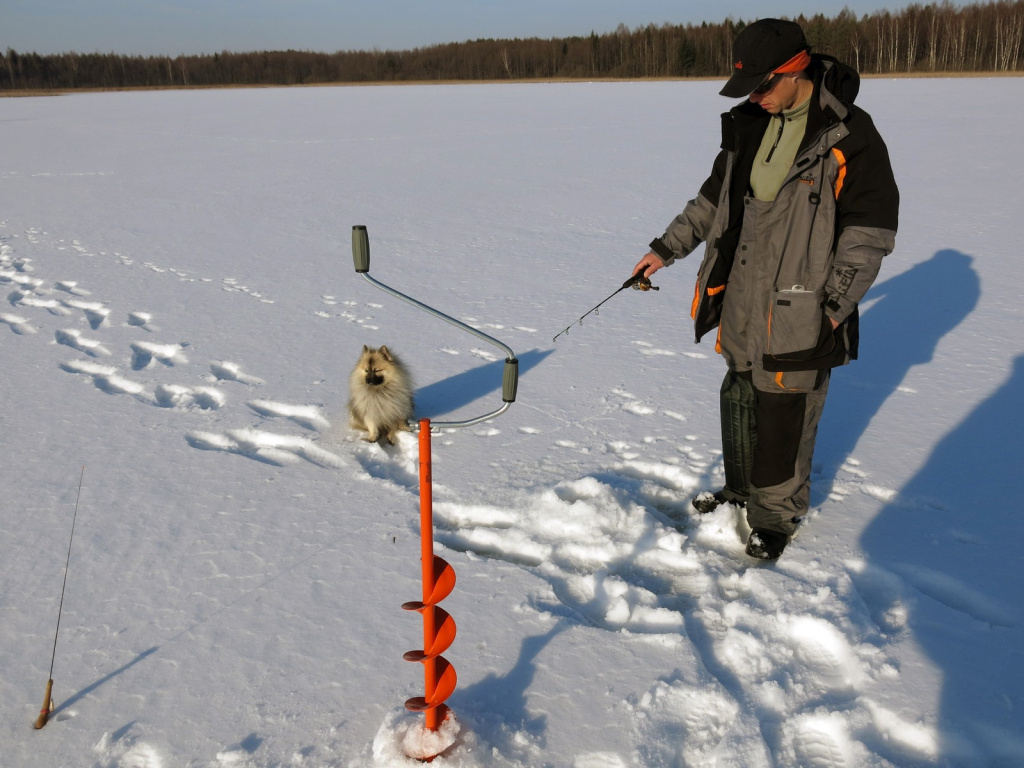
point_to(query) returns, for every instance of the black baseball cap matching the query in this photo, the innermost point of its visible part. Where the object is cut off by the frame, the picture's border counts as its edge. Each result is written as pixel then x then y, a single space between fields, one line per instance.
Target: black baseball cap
pixel 764 47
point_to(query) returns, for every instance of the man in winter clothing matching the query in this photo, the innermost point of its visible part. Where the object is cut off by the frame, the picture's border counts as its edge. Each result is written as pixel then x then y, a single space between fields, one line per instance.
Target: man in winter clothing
pixel 797 214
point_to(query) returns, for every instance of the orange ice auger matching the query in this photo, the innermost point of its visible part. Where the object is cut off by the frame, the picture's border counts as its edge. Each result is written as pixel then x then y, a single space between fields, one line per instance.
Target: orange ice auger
pixel 438 575
pixel 438 627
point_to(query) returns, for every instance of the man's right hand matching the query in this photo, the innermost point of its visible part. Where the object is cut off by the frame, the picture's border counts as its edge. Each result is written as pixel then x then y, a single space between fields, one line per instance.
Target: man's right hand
pixel 648 265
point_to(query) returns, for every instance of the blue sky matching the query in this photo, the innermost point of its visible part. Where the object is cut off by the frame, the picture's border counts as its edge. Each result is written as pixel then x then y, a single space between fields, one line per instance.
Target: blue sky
pixel 172 27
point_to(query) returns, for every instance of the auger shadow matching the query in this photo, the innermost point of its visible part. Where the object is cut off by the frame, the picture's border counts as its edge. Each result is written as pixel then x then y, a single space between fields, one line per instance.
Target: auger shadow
pixel 461 389
pixel 503 697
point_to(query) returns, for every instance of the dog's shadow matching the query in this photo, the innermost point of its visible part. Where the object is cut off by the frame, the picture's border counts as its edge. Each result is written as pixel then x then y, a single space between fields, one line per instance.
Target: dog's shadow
pixel 462 389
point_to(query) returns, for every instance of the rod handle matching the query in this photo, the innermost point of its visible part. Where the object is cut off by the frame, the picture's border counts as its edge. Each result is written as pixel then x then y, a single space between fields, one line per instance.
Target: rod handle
pixel 361 248
pixel 510 380
pixel 44 713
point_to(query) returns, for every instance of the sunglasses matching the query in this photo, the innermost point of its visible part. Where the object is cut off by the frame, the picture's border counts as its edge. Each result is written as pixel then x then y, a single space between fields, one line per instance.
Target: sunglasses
pixel 769 83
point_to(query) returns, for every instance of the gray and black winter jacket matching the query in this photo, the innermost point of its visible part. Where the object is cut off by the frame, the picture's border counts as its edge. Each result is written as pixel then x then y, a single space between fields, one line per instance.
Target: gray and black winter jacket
pixel 819 245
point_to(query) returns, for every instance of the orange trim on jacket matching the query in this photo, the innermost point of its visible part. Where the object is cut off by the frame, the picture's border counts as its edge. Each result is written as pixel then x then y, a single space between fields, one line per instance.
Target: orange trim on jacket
pixel 696 297
pixel 841 175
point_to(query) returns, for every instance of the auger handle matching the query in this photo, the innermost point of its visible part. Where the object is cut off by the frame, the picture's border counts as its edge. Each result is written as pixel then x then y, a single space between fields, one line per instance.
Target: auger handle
pixel 361 248
pixel 510 377
pixel 510 380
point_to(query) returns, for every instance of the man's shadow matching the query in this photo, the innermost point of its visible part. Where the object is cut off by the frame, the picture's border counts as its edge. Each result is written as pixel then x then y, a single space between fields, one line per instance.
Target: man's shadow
pixel 949 549
pixel 944 553
pixel 906 319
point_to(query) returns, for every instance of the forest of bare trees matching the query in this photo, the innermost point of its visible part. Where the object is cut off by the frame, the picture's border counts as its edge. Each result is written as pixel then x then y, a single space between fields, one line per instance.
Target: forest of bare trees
pixel 940 37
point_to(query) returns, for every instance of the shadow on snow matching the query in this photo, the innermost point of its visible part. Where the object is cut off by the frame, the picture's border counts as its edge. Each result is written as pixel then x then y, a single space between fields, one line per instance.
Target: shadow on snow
pixel 953 534
pixel 909 316
pixel 462 389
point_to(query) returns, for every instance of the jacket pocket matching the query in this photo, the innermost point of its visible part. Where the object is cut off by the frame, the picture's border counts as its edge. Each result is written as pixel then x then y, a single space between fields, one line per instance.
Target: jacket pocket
pixel 800 335
pixel 794 323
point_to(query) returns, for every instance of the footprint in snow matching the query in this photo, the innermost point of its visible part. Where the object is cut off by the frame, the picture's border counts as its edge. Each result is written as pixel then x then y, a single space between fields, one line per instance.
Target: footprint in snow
pixel 637 408
pixel 106 378
pixel 682 722
pixel 267 447
pixel 883 593
pixel 95 312
pixel 484 355
pixel 623 450
pixel 231 285
pixel 646 348
pixel 307 416
pixel 10 266
pixel 18 325
pixel 821 741
pixel 73 338
pixel 70 286
pixel 223 370
pixel 141 320
pixel 631 403
pixel 25 280
pixel 124 749
pixel 398 464
pixel 28 299
pixel 666 488
pixel 827 662
pixel 144 353
pixel 177 396
pixel 880 493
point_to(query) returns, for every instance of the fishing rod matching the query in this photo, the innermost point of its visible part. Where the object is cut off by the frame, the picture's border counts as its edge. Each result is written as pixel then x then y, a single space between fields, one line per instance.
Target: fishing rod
pixel 44 714
pixel 637 281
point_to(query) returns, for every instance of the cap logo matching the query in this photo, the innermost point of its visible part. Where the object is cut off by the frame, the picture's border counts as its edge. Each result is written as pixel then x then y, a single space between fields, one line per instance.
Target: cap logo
pixel 738 65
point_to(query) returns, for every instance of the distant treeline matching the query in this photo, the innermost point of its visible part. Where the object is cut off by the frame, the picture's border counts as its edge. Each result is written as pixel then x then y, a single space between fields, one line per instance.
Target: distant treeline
pixel 981 37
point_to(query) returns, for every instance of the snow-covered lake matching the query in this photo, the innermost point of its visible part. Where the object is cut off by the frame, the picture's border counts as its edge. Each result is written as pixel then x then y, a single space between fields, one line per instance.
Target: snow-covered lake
pixel 179 314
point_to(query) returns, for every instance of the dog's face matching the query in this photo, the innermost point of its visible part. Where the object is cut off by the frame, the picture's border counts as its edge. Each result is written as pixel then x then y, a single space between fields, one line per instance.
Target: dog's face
pixel 375 365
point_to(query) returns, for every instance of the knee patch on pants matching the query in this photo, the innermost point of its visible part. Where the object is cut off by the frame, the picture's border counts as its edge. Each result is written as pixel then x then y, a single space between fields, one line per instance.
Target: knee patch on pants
pixel 739 435
pixel 780 428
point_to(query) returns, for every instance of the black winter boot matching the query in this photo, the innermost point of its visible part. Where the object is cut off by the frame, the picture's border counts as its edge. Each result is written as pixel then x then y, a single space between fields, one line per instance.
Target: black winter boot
pixel 766 544
pixel 706 501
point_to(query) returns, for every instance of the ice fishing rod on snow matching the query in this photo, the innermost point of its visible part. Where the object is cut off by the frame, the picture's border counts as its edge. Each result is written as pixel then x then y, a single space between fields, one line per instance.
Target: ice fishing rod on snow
pixel 44 713
pixel 637 281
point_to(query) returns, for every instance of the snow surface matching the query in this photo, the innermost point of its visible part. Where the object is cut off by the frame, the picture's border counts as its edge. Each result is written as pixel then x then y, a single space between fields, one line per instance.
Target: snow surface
pixel 179 317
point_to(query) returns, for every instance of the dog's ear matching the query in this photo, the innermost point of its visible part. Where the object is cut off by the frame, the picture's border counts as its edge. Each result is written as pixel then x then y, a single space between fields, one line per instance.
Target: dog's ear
pixel 365 349
pixel 385 353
